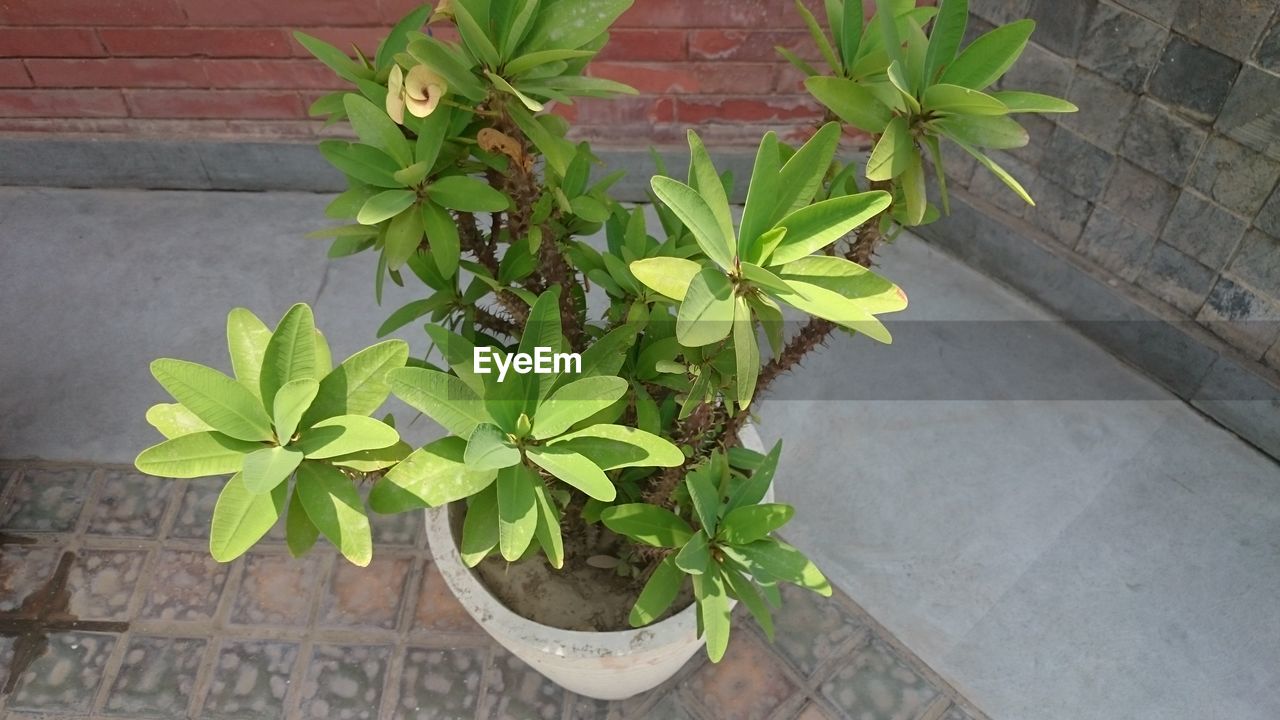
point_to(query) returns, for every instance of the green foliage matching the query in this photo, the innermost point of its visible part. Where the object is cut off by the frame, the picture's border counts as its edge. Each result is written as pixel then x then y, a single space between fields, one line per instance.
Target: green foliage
pixel 284 416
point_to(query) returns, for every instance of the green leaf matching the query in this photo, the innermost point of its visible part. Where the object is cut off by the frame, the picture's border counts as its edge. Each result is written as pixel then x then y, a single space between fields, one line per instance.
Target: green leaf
pixel 548 532
pixel 753 489
pixel 376 129
pixel 695 556
pixel 292 400
pixel 747 593
pixel 831 305
pixel 345 434
pixel 890 156
pixel 247 339
pixel 242 517
pixel 703 176
pixel 267 468
pixel 173 420
pixel 939 169
pixel 361 162
pixel 344 66
pixel 334 505
pixel 226 405
pixel 575 402
pixel 764 279
pixel 448 62
pixel 850 101
pixel 467 194
pixel 368 461
pixel 666 275
pixel 802 175
pixel 500 83
pixel 403 237
pixel 713 609
pixel 872 292
pixel 961 101
pixel 525 63
pixel 442 236
pixel 572 24
pixel 324 358
pixel 769 315
pixel 1022 102
pixel 705 497
pixel 648 524
pixel 475 38
pixel 913 189
pixel 820 39
pixel 945 38
pixel 658 593
pixel 990 56
pixel 558 152
pixel 999 133
pixel 575 470
pixel 746 525
pixel 430 477
pixel 489 449
pixel 480 527
pixel 774 559
pixel 195 455
pixel 850 39
pixel 386 205
pixel 441 397
pixel 300 532
pixel 996 170
pixel 799 64
pixel 696 215
pixel 812 228
pixel 358 386
pixel 517 511
pixel 291 353
pixel 762 197
pixel 398 39
pixel 746 352
pixel 617 446
pixel 706 315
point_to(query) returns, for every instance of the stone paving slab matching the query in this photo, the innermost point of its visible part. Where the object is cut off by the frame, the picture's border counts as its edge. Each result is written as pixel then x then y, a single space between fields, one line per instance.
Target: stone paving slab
pixel 268 637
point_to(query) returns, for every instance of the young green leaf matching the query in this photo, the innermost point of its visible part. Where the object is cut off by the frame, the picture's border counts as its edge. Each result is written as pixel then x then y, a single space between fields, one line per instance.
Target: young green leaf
pixel 173 420
pixel 361 162
pixel 345 67
pixel 480 527
pixel 713 608
pixel 300 532
pixel 745 525
pixel 988 58
pixel 386 205
pixel 617 446
pixel 572 24
pixel 945 38
pixel 706 315
pixel 398 39
pixel 247 339
pixel 575 470
pixel 889 158
pixel 998 133
pixel 467 194
pixel 375 128
pixel 695 556
pixel 762 196
pixel 820 39
pixel 666 275
pixel 333 504
pixel 575 402
pixel 430 477
pixel 367 461
pixel 1023 102
pixel 517 511
pixel 850 101
pixel 292 401
pixel 548 531
pixel 403 238
pixel 443 239
pixel 996 170
pixel 441 397
pixel 659 592
pixel 774 559
pixel 802 175
pixel 358 386
pixel 266 469
pixel 291 353
pixel 226 405
pixel 874 293
pixel 525 63
pixel 489 449
pixel 698 216
pixel 500 83
pixel 746 352
pixel 831 305
pixel 242 517
pixel 753 489
pixel 703 177
pixel 705 497
pixel 939 170
pixel 744 590
pixel 961 101
pixel 345 434
pixel 648 524
pixel 913 189
pixel 474 36
pixel 812 228
pixel 195 455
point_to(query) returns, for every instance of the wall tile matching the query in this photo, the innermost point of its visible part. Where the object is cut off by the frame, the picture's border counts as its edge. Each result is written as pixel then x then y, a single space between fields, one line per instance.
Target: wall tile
pixel 1268 218
pixel 1079 166
pixel 1194 78
pixel 1159 10
pixel 1203 230
pixel 1235 176
pixel 1039 70
pixel 1251 113
pixel 1176 278
pixel 1058 212
pixel 1268 53
pixel 1228 26
pixel 1162 143
pixel 1060 26
pixel 993 190
pixel 1105 109
pixel 1142 198
pixel 1258 263
pixel 1000 12
pixel 1241 317
pixel 1115 244
pixel 1122 47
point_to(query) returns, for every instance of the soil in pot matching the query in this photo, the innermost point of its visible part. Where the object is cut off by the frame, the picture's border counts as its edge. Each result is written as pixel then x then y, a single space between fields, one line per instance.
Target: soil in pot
pixel 579 596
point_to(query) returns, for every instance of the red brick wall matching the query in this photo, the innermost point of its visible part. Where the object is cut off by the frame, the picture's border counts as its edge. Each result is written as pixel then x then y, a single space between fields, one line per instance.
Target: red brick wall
pixel 183 67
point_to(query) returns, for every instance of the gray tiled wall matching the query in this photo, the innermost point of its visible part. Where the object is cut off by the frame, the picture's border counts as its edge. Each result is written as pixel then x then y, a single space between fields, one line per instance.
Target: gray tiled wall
pixel 1167 177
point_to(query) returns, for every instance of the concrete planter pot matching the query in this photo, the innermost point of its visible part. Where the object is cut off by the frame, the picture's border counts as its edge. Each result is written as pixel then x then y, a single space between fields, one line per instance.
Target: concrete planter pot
pixel 602 665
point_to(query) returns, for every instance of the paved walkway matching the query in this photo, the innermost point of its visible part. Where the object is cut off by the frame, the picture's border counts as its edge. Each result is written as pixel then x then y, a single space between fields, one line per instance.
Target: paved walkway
pixel 1051 532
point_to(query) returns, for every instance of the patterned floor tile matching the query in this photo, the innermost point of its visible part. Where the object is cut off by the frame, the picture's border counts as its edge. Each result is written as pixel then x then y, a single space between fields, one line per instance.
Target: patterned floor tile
pixel 47 500
pixel 196 510
pixel 102 583
pixel 156 678
pixel 813 711
pixel 23 569
pixel 956 713
pixel 438 610
pixel 277 589
pixel 748 684
pixel 810 628
pixel 185 585
pixel 66 677
pixel 250 680
pixel 669 708
pixel 130 505
pixel 366 597
pixel 344 682
pixel 876 685
pixel 517 692
pixel 440 684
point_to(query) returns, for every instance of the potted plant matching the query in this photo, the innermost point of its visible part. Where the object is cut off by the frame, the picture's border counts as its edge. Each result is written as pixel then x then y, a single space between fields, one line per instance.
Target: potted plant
pixel 599 503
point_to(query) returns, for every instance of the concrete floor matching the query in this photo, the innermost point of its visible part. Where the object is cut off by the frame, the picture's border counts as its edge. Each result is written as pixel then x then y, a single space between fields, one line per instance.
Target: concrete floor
pixel 1045 527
